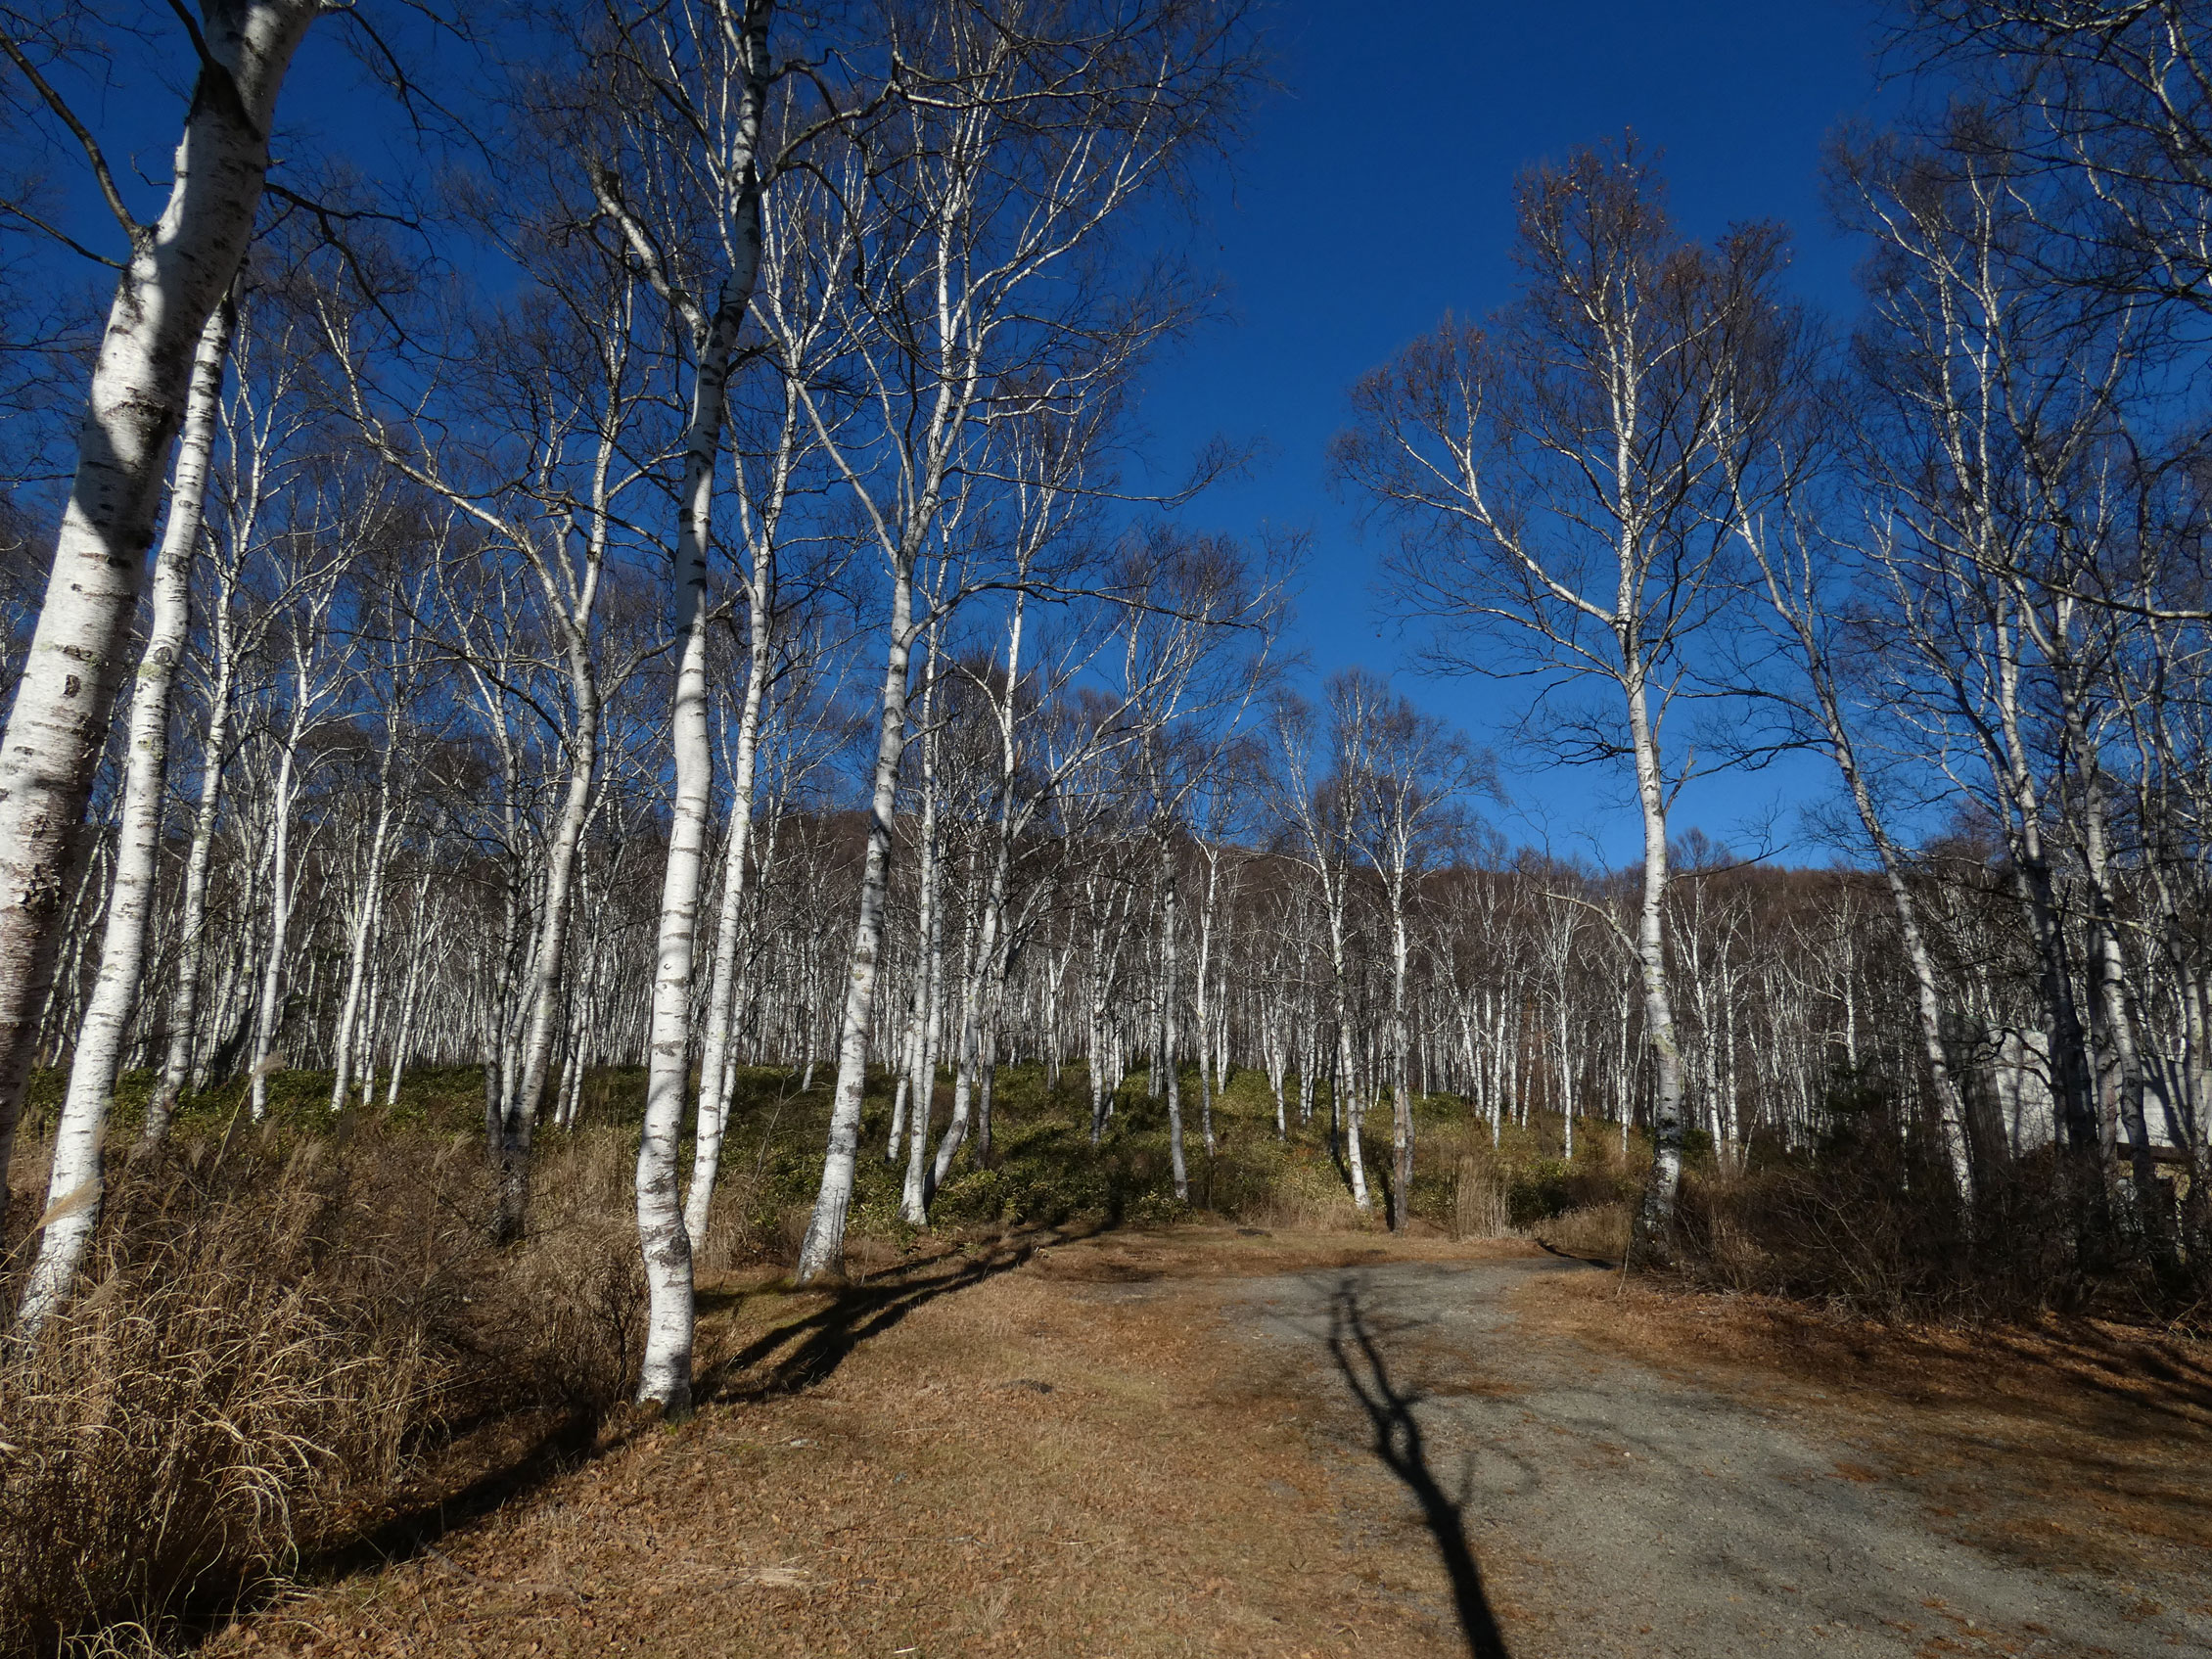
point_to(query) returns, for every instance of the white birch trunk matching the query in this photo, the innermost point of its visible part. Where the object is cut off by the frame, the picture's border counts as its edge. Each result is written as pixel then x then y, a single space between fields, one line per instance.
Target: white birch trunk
pixel 192 915
pixel 364 928
pixel 1202 1006
pixel 1401 1082
pixel 968 1056
pixel 664 1377
pixel 1170 996
pixel 1655 1216
pixel 716 1058
pixel 914 1190
pixel 178 270
pixel 664 1374
pixel 268 1009
pixel 73 1186
pixel 519 1119
pixel 403 1031
pixel 718 1061
pixel 823 1251
pixel 1344 1102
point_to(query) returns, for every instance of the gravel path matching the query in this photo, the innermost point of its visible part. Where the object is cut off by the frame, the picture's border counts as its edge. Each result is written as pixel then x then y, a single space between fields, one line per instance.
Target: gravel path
pixel 1585 1506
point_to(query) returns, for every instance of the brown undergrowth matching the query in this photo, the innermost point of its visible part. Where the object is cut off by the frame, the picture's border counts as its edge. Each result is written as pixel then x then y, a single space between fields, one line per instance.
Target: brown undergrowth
pixel 297 1350
pixel 2068 1443
pixel 1870 1215
pixel 1034 1444
pixel 286 1341
pixel 1043 1441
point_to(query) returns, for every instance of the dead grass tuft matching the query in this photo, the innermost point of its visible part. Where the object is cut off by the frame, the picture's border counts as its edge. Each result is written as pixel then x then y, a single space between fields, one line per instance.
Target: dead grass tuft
pixel 215 1399
pixel 280 1338
pixel 1597 1231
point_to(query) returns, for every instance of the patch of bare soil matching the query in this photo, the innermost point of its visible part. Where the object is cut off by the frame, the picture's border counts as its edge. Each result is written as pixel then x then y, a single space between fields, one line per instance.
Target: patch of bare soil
pixel 996 1450
pixel 1637 1476
pixel 2077 1445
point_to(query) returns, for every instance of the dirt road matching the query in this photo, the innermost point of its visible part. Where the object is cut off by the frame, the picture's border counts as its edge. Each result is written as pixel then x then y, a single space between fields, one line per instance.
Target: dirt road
pixel 1208 1443
pixel 1616 1510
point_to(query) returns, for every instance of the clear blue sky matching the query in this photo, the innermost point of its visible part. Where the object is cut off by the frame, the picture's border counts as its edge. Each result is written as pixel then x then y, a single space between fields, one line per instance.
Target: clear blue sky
pixel 1375 194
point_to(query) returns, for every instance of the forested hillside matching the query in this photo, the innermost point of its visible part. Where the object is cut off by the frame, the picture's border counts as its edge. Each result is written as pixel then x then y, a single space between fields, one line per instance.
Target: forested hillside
pixel 658 626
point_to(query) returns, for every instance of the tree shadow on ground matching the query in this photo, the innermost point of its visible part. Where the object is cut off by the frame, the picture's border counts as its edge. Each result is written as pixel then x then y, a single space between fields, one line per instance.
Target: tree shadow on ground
pixel 533 1447
pixel 1400 1449
pixel 540 1445
pixel 809 1350
pixel 1544 1244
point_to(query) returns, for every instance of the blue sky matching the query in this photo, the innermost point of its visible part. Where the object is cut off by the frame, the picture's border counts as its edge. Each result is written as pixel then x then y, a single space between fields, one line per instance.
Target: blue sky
pixel 1375 194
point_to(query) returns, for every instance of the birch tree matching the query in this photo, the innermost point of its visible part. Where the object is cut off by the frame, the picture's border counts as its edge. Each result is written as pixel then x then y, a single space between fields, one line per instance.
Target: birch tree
pixel 1321 808
pixel 177 270
pixel 797 319
pixel 1015 139
pixel 1560 472
pixel 1411 772
pixel 73 1186
pixel 706 283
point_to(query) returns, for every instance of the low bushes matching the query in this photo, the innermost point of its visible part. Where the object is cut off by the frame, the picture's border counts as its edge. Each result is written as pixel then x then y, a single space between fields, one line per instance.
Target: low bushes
pixel 1870 1218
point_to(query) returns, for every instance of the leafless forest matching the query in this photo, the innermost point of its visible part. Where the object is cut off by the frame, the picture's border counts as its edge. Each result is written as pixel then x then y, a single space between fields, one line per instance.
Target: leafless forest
pixel 662 636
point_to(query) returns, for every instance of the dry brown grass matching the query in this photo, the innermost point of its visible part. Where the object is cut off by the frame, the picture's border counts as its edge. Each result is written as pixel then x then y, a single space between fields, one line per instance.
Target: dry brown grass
pixel 1045 1444
pixel 178 1429
pixel 296 1344
pixel 1022 1448
pixel 1478 1200
pixel 2068 1443
pixel 279 1342
pixel 362 1372
pixel 1599 1231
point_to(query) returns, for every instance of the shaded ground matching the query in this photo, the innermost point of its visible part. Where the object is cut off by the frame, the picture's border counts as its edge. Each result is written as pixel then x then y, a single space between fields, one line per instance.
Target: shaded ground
pixel 1208 1442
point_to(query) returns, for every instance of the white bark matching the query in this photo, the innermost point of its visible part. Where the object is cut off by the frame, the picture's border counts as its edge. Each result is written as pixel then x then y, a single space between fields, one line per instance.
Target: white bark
pixel 1170 993
pixel 1344 1100
pixel 367 912
pixel 269 1008
pixel 1401 1076
pixel 915 1189
pixel 179 269
pixel 823 1250
pixel 519 1118
pixel 184 1003
pixel 73 1186
pixel 404 1030
pixel 969 1051
pixel 1656 1214
pixel 1202 1006
pixel 551 951
pixel 664 1377
pixel 716 1058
